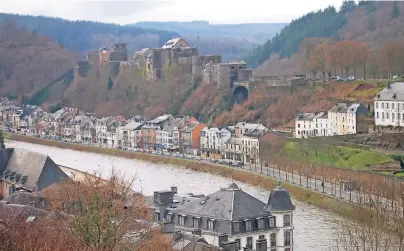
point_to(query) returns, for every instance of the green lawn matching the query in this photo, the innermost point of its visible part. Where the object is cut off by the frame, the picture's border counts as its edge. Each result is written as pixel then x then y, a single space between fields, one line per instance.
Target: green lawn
pixel 338 156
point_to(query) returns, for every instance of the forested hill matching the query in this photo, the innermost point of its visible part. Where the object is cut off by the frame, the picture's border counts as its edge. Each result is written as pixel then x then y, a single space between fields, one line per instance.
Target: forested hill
pixel 323 23
pixel 86 35
pixel 371 22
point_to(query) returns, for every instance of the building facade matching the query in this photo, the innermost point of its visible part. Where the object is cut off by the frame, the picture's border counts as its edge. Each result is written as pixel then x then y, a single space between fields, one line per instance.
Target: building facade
pixel 231 214
pixel 212 142
pixel 389 106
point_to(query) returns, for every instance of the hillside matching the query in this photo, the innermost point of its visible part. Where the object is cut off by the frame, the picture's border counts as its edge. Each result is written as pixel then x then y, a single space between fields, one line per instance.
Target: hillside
pixel 28 62
pixel 373 23
pixel 232 41
pixel 253 32
pixel 83 36
pixel 42 71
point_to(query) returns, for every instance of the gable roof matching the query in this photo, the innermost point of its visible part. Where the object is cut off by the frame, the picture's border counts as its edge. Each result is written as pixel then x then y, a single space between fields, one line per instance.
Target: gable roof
pixel 30 170
pixel 172 42
pixel 231 204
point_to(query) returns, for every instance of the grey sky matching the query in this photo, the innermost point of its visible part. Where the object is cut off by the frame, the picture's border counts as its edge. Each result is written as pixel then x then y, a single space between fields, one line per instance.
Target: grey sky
pixel 131 11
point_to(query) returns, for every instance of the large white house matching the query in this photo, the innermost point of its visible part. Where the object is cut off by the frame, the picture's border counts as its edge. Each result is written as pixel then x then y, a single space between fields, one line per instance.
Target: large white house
pixel 389 106
pixel 231 214
pixel 212 141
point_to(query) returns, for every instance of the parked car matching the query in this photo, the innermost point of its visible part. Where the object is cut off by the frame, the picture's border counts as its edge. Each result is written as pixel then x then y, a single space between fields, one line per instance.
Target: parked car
pixel 395 76
pixel 351 78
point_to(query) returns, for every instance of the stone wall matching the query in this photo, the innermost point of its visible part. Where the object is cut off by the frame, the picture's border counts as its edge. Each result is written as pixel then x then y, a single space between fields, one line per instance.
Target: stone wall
pixel 114 68
pixel 285 80
pixel 244 74
pixel 385 129
pixel 82 68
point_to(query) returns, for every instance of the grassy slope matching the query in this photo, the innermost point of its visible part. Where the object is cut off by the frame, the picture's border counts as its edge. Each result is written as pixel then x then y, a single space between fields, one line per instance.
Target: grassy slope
pixel 338 156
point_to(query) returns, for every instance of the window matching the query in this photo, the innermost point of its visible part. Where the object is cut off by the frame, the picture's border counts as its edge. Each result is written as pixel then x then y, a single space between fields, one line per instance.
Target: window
pixel 382 105
pixel 181 220
pixel 249 242
pixel 392 106
pixel 261 237
pixel 196 222
pixel 156 216
pixel 236 227
pixel 287 238
pixel 387 105
pixel 377 114
pixel 377 105
pixel 298 125
pixel 393 116
pixel 211 224
pixel 387 115
pixel 382 115
pixel 272 221
pixel 273 239
pixel 248 225
pixel 286 220
pixel 238 244
pixel 169 217
pixel 261 223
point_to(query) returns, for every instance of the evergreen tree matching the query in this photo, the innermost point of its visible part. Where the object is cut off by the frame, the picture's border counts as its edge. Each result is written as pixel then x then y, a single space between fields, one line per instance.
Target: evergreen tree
pixel 110 83
pixel 348 6
pixel 396 11
pixel 2 145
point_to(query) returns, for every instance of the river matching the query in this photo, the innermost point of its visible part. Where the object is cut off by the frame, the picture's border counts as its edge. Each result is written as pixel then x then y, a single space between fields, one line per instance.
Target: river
pixel 315 229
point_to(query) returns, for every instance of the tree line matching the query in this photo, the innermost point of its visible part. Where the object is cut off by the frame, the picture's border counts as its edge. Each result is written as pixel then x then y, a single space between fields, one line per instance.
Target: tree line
pixel 346 58
pixel 78 35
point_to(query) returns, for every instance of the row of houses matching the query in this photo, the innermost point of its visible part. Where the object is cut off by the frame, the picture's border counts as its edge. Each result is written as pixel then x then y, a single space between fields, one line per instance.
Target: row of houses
pixel 164 133
pixel 342 119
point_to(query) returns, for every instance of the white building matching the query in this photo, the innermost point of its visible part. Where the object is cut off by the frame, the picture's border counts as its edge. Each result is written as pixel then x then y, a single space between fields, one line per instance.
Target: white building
pixel 343 118
pixel 225 216
pixel 303 124
pixel 131 134
pixel 212 141
pixel 312 125
pixel 389 106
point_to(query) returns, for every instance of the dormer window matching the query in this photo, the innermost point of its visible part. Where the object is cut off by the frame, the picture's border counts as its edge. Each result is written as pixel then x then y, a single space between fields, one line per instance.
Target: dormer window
pixel 181 220
pixel 196 221
pixel 248 225
pixel 236 226
pixel 261 223
pixel 169 217
pixel 211 224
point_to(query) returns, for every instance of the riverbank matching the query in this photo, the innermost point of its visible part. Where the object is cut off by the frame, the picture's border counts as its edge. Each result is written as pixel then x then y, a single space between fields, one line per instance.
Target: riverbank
pixel 300 193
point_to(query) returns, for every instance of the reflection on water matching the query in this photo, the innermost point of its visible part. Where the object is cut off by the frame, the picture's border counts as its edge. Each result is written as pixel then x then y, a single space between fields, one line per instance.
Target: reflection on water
pixel 314 229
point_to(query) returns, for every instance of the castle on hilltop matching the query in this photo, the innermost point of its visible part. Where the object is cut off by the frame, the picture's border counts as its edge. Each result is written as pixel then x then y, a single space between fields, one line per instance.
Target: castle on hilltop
pixel 154 63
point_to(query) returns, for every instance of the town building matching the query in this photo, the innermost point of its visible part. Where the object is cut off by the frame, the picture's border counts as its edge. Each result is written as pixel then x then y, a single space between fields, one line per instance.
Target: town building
pixel 191 138
pixel 233 149
pixel 150 128
pixel 23 170
pixel 232 215
pixel 131 134
pixel 312 125
pixel 212 142
pixel 389 106
pixel 343 118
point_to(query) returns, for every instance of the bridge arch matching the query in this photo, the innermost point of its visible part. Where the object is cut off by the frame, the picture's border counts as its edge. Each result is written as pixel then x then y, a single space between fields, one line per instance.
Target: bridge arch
pixel 240 94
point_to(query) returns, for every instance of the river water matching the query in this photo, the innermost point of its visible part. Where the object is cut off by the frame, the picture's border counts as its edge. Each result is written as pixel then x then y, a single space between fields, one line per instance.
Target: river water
pixel 315 229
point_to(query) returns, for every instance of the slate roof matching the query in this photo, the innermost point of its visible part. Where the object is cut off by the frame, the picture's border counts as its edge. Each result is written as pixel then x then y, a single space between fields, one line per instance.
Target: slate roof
pixel 279 200
pixel 394 93
pixel 28 199
pixel 231 204
pixel 30 170
pixel 190 127
pixel 339 108
pixel 132 126
pixel 234 141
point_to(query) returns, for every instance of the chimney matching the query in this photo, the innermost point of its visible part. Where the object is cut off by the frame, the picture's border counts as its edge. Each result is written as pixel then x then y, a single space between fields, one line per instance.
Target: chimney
pixel 262 245
pixel 198 232
pixel 168 227
pixel 174 190
pixel 223 238
pixel 229 246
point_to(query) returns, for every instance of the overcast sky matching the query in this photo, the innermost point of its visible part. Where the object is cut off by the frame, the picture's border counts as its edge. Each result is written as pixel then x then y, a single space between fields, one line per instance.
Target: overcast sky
pixel 132 11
